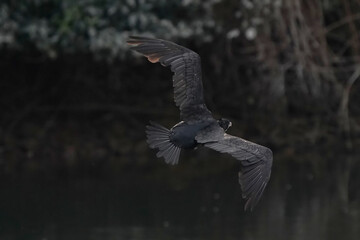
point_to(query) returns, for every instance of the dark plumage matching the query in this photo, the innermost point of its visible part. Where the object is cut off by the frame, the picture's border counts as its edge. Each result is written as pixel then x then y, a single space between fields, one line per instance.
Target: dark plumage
pixel 198 125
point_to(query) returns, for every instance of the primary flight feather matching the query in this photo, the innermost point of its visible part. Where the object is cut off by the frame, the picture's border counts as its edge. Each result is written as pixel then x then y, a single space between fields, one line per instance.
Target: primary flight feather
pixel 198 125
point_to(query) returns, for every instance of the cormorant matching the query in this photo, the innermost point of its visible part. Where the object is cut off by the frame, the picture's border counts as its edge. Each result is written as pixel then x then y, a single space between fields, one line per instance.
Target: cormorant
pixel 197 124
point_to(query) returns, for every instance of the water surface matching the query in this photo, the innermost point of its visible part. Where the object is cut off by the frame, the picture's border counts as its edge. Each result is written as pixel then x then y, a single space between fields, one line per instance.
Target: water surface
pixel 140 204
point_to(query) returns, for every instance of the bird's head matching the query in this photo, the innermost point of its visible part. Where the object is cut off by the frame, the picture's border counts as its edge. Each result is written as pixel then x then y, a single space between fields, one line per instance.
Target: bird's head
pixel 224 123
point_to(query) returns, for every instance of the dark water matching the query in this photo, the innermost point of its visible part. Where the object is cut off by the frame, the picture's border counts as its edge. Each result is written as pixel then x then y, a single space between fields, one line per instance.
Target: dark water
pixel 141 204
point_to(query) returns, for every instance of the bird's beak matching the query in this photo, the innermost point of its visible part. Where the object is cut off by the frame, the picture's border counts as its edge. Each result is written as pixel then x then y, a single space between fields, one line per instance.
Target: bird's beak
pixel 230 124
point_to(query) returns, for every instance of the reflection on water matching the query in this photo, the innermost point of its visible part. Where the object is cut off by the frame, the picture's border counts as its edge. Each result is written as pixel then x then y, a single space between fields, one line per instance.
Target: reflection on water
pixel 136 206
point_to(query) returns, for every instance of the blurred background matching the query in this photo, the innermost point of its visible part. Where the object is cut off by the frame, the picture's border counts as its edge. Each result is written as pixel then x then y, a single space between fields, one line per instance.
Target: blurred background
pixel 74 101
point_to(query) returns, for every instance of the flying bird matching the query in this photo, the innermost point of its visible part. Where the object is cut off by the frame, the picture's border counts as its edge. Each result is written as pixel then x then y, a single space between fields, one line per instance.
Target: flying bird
pixel 197 125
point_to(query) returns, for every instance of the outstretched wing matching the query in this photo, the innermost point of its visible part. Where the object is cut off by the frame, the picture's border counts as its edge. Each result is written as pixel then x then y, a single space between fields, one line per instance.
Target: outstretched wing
pixel 188 88
pixel 256 161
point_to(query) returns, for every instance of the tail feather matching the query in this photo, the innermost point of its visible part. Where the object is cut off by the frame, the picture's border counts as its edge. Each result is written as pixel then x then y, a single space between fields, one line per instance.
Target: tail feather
pixel 159 137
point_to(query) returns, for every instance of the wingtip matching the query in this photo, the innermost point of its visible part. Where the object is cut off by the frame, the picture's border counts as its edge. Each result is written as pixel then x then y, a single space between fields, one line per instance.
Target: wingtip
pixel 249 205
pixel 252 198
pixel 136 40
pixel 138 37
pixel 132 41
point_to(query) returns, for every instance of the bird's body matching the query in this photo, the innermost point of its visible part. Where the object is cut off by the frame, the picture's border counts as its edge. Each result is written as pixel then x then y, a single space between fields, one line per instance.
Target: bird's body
pixel 197 126
pixel 183 134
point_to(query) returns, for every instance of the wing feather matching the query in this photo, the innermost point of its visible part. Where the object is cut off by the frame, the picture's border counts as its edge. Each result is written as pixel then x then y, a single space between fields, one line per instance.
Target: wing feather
pixel 256 161
pixel 186 64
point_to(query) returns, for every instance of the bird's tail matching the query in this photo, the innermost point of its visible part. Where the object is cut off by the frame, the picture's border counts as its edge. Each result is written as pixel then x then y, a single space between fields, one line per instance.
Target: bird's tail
pixel 159 137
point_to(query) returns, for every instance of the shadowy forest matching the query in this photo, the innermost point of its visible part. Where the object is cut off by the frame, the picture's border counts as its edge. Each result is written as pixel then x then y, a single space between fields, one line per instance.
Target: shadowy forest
pixel 75 101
